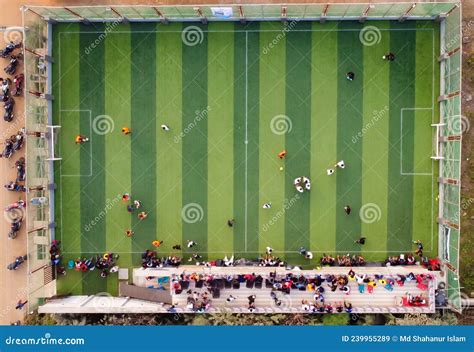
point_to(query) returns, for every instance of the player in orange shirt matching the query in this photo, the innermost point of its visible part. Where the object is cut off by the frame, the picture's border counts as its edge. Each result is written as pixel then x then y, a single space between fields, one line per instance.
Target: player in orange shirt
pixel 81 139
pixel 282 154
pixel 157 243
pixel 126 130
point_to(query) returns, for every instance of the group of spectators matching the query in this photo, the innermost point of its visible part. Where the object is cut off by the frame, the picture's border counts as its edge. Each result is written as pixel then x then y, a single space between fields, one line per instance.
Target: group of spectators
pixel 198 302
pixel 319 285
pixel 151 260
pixel 55 256
pixel 317 307
pixel 105 264
pixel 344 260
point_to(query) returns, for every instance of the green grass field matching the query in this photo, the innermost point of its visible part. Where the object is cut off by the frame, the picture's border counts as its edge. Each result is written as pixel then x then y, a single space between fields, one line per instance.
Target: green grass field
pixel 234 98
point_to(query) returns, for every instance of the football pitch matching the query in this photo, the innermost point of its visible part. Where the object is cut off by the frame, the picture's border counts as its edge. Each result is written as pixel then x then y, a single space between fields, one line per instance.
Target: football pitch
pixel 234 96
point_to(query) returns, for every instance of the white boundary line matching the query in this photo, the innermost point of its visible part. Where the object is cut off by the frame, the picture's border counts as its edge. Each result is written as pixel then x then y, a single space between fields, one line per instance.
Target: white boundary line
pixel 401 145
pixel 246 113
pixel 256 31
pixel 61 164
pixel 90 142
pixel 408 250
pixel 246 133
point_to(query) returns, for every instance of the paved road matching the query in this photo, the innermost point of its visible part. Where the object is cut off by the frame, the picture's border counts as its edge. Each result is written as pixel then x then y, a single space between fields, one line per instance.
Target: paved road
pixel 12 283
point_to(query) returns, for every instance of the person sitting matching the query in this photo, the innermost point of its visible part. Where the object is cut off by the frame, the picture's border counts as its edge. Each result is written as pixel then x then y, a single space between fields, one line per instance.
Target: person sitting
pixel 389 285
pixel 229 262
pixel 297 181
pixel 333 287
pixel 402 260
pixel 307 185
pixel 371 285
pixel 300 189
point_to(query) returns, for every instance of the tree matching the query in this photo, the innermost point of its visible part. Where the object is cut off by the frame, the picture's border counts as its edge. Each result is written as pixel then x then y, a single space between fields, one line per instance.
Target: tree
pixel 336 319
pixel 424 319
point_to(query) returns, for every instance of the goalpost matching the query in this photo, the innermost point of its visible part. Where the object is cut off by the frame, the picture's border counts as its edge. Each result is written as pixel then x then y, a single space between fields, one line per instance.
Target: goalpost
pixel 53 130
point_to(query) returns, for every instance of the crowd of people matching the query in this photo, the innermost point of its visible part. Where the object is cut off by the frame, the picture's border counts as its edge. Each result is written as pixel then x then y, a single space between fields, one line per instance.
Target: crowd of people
pixel 198 302
pixel 320 286
pixel 150 259
pixel 55 257
pixel 343 260
pixel 318 307
pixel 105 264
pixel 432 264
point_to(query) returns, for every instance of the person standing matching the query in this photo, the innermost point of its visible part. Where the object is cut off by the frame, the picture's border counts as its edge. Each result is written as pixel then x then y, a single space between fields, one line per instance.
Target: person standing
pixel 389 57
pixel 360 241
pixel 80 139
pixel 191 244
pixel 347 209
pixel 419 250
pixel 20 304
